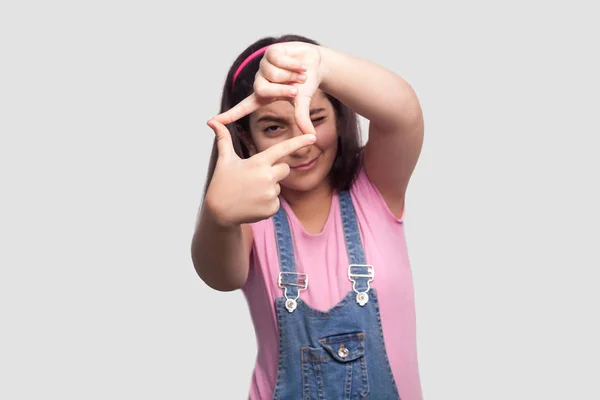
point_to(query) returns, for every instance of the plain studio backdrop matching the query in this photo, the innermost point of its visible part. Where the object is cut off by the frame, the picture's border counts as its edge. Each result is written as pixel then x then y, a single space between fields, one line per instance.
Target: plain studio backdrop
pixel 103 156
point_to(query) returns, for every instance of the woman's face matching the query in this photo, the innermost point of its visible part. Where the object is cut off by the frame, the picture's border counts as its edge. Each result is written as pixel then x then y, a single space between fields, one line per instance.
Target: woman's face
pixel 310 165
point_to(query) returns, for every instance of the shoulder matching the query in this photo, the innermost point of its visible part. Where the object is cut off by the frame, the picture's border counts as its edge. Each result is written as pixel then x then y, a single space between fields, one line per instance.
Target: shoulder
pixel 259 229
pixel 368 198
pixel 260 239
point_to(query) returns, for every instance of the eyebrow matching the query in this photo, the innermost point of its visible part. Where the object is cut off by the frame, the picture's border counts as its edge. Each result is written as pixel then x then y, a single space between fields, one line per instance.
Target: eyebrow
pixel 273 118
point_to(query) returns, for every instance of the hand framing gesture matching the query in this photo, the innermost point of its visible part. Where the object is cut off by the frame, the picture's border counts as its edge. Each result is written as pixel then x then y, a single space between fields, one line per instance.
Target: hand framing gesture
pixel 247 190
pixel 288 71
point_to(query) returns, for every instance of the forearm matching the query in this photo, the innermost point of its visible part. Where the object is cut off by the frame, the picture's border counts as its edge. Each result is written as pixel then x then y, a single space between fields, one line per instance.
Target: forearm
pixel 376 93
pixel 219 254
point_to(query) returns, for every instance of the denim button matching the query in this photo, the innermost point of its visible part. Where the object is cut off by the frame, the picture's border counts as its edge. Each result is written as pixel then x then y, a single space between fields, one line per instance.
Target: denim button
pixel 343 352
pixel 291 304
pixel 362 298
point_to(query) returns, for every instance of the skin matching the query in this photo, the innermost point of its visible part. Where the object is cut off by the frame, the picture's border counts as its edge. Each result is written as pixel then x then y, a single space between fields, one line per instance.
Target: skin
pixel 308 192
pixel 290 83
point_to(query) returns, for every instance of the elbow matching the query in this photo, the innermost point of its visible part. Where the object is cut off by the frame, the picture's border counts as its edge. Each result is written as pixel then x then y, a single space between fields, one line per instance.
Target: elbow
pixel 219 283
pixel 223 285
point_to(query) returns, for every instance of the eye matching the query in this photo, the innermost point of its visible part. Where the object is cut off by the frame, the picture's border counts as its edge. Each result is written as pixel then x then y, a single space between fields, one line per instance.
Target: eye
pixel 271 128
pixel 317 120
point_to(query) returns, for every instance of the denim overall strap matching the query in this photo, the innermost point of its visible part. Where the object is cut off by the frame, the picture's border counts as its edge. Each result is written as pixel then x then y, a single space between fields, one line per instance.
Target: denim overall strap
pixel 359 272
pixel 291 281
pixel 354 245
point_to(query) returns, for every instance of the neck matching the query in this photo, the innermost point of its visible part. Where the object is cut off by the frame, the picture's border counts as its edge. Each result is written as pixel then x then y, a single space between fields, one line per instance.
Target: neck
pixel 311 207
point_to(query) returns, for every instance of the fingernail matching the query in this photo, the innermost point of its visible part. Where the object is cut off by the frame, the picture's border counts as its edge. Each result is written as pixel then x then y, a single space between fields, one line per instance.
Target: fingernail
pixel 304 68
pixel 294 91
pixel 312 137
pixel 302 77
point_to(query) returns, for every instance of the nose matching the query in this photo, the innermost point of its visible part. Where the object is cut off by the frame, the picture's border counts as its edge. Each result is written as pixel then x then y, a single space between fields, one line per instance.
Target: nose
pixel 302 152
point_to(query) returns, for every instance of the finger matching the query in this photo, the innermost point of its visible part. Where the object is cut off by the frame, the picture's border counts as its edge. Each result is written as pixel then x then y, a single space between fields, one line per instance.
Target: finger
pixel 278 58
pixel 224 142
pixel 265 89
pixel 302 114
pixel 281 75
pixel 280 171
pixel 276 205
pixel 240 110
pixel 287 147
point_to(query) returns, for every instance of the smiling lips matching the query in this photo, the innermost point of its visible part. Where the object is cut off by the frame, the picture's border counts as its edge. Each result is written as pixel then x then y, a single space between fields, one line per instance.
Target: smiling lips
pixel 307 166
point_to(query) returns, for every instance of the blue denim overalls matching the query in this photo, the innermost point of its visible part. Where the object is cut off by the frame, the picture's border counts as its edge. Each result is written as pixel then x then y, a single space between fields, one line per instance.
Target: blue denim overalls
pixel 335 355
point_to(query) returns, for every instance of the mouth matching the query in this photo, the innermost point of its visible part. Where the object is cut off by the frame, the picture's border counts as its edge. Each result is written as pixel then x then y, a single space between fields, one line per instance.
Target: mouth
pixel 307 166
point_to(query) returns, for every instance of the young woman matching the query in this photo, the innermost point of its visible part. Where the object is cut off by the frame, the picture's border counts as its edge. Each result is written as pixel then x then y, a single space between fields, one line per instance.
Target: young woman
pixel 309 223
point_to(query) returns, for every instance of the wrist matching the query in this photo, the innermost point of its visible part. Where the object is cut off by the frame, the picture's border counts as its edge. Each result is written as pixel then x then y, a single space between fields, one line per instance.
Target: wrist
pixel 215 217
pixel 325 57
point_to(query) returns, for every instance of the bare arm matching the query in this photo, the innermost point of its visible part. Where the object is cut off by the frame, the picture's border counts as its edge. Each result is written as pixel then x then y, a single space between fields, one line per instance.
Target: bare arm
pixel 221 254
pixel 395 120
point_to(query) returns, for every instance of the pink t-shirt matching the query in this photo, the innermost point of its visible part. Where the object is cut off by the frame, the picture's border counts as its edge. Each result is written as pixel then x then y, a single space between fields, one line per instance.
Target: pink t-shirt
pixel 323 257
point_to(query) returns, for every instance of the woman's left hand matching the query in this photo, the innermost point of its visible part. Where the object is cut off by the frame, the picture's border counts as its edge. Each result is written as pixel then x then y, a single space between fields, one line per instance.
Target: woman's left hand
pixel 289 70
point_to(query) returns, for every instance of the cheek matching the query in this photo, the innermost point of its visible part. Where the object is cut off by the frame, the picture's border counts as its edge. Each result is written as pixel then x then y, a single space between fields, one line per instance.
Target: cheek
pixel 262 143
pixel 327 140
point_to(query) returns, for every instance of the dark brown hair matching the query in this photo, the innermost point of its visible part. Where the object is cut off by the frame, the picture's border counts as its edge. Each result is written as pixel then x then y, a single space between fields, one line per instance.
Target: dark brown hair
pixel 345 166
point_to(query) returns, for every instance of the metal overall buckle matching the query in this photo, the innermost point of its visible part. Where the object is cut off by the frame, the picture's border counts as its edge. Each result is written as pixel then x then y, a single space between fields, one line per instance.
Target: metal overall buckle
pixel 362 298
pixel 301 284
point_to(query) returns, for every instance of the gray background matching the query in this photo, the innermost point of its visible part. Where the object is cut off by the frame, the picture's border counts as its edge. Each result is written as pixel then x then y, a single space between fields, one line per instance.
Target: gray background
pixel 103 156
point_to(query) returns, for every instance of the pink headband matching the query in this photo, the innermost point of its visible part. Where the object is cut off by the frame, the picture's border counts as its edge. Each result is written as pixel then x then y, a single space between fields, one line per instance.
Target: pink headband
pixel 247 61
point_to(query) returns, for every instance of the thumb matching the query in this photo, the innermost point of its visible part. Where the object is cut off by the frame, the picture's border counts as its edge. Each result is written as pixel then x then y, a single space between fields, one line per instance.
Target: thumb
pixel 302 114
pixel 224 142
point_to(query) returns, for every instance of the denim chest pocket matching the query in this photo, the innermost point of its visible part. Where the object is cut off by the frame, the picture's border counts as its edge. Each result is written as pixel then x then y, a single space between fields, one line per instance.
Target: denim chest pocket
pixel 337 370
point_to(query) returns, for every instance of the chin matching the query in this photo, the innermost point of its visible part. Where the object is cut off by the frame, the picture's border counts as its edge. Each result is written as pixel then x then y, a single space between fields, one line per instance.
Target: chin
pixel 303 183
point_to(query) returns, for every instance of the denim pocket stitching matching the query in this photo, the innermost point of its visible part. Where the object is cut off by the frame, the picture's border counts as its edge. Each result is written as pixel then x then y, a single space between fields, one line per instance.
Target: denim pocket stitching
pixel 305 372
pixel 380 329
pixel 314 358
pixel 365 378
pixel 280 324
pixel 344 338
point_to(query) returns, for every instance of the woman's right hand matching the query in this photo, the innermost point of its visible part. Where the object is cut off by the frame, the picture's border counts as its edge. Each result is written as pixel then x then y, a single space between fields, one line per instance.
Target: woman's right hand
pixel 246 190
